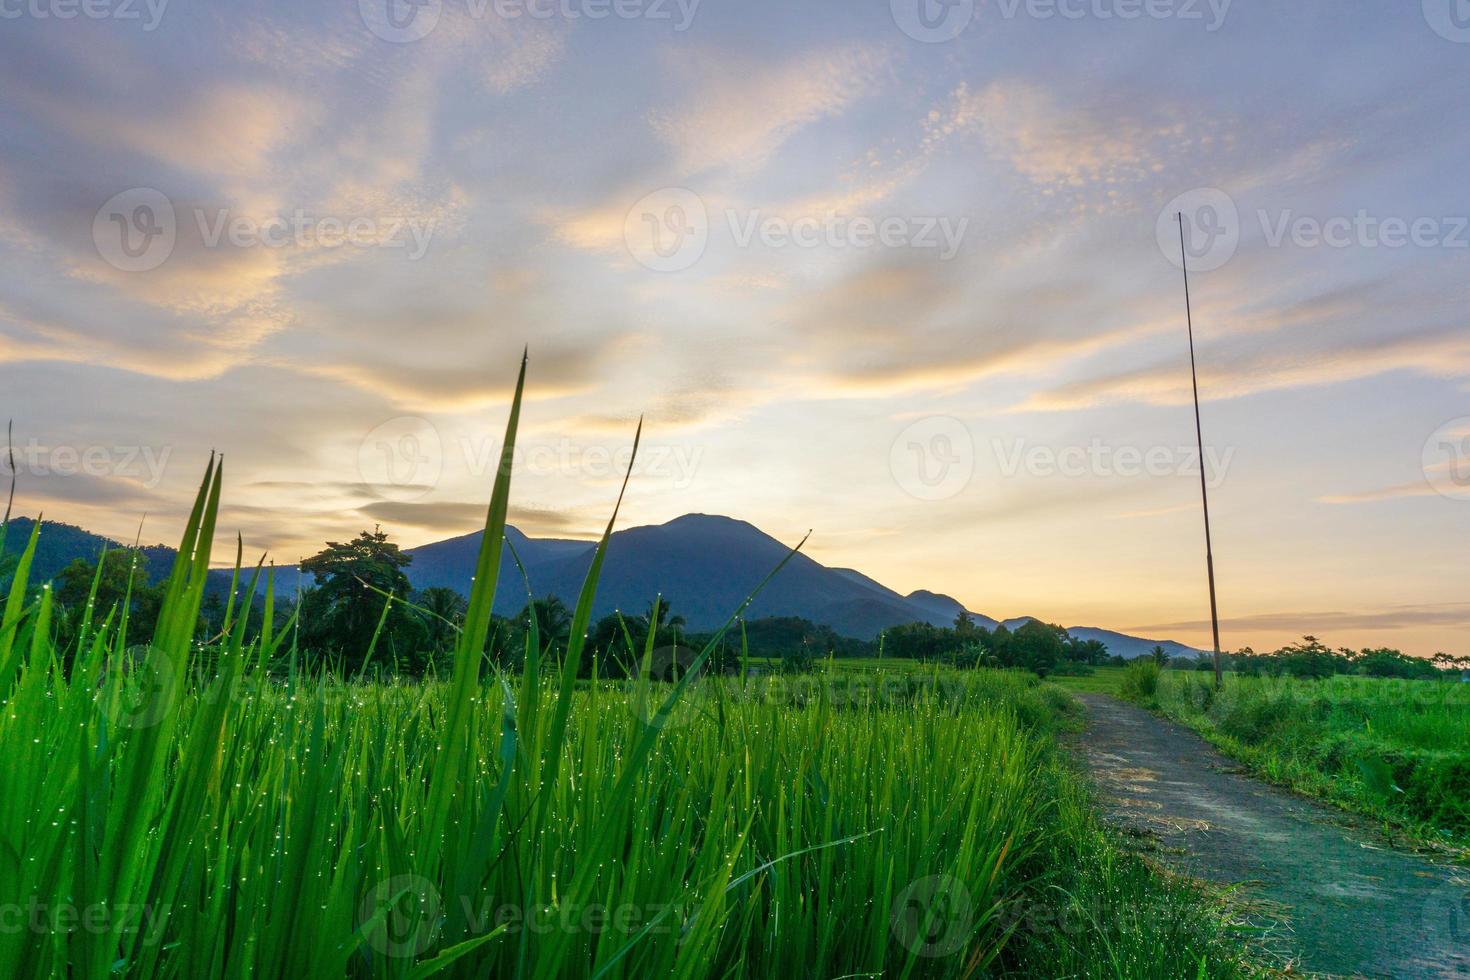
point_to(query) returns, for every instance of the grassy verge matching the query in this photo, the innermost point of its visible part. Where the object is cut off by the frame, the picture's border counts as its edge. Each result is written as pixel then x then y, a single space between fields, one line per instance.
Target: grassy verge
pixel 1102 680
pixel 1397 751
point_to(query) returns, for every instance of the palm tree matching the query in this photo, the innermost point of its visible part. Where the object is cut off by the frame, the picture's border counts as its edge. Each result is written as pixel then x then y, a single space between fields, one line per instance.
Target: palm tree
pixel 658 618
pixel 445 609
pixel 553 620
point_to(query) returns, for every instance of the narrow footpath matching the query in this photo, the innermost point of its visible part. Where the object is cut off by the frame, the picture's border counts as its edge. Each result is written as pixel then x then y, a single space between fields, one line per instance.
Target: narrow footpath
pixel 1348 905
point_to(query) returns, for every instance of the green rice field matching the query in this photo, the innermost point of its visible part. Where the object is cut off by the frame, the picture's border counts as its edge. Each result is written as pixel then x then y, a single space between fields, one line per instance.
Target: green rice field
pixel 191 809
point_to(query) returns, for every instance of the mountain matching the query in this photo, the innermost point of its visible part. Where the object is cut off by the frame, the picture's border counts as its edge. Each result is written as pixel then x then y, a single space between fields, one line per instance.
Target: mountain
pixel 1131 647
pixel 703 565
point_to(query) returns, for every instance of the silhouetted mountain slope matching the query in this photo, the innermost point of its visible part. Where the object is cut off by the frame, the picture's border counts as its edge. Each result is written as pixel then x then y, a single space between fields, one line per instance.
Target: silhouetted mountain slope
pixel 60 543
pixel 704 566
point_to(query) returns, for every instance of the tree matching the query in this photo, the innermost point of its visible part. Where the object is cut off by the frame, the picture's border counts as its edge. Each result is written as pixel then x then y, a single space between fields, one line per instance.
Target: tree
pixel 1091 652
pixel 659 616
pixel 123 579
pixel 341 612
pixel 1159 656
pixel 444 611
pixel 1038 646
pixel 553 621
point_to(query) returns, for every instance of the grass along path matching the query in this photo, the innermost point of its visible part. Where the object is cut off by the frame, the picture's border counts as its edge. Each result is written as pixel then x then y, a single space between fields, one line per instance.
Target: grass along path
pixel 1395 750
pixel 1351 906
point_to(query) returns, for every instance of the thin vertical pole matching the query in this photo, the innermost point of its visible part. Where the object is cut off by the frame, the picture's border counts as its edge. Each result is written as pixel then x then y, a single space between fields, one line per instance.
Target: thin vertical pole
pixel 1200 438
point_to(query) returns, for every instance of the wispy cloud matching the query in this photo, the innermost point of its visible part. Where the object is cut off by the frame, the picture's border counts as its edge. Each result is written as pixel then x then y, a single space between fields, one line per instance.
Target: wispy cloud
pixel 739 112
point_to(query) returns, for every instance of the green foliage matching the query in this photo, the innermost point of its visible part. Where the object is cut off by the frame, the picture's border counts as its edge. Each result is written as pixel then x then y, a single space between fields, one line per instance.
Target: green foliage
pixel 1141 681
pixel 204 818
pixel 1035 646
pixel 1310 658
pixel 348 607
pixel 61 544
pixel 442 611
pixel 120 578
pixel 1396 749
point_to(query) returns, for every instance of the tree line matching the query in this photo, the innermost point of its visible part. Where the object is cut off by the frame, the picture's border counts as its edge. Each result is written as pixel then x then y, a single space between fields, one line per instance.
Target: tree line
pixel 362 614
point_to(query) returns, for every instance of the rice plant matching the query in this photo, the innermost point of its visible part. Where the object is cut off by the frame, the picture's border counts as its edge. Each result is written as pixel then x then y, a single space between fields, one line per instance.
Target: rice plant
pixel 179 810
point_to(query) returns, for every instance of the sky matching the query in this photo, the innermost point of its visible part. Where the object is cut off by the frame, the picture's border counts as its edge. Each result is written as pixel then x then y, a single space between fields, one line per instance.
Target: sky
pixel 902 272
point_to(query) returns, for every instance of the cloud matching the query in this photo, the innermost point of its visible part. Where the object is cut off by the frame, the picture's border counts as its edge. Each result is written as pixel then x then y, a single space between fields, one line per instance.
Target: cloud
pixel 1318 623
pixel 524 58
pixel 466 517
pixel 1266 367
pixel 449 516
pixel 906 322
pixel 228 131
pixel 1060 147
pixel 1417 488
pixel 740 112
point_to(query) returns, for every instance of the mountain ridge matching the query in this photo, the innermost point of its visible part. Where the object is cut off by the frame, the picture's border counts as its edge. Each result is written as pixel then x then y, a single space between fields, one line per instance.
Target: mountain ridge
pixel 704 566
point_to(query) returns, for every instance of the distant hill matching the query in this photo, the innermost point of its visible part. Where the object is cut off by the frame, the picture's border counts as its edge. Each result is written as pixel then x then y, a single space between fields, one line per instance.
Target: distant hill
pixel 703 566
pixel 59 544
pixel 1118 644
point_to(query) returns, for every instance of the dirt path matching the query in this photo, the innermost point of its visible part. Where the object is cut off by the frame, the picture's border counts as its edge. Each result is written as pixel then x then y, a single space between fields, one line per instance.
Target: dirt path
pixel 1350 906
